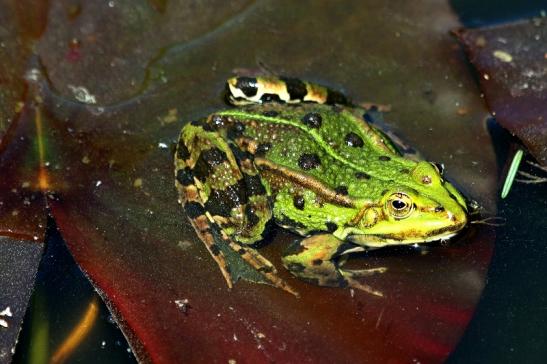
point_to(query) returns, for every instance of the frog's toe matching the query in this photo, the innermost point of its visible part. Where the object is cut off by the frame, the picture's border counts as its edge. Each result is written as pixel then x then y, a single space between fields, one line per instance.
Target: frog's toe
pixel 351 278
pixel 358 273
pixel 353 283
pixel 261 265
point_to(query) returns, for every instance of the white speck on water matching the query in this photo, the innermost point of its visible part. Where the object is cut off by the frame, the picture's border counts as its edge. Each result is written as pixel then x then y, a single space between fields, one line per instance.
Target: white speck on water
pixel 82 94
pixel 6 312
pixel 98 183
pixel 162 145
pixel 182 304
pixel 103 344
pixel 33 74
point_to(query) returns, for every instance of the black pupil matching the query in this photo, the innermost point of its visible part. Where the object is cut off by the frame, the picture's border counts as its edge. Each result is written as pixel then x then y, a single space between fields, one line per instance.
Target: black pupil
pixel 398 204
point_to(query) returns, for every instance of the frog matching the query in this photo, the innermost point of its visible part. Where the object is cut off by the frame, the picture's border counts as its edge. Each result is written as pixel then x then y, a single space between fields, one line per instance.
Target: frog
pixel 301 156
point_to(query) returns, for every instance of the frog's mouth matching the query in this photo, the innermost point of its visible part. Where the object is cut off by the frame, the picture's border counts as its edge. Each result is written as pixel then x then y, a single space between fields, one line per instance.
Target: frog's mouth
pixel 379 240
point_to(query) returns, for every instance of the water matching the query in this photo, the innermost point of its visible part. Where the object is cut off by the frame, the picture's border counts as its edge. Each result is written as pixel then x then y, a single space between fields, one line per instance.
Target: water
pixel 510 320
pixel 61 296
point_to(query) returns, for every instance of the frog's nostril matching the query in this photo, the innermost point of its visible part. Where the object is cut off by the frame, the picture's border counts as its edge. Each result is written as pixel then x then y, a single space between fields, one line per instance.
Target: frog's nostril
pixel 439 209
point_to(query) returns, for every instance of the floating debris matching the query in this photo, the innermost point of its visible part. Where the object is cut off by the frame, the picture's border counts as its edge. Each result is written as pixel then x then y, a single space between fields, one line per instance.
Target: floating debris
pixel 515 163
pixel 503 56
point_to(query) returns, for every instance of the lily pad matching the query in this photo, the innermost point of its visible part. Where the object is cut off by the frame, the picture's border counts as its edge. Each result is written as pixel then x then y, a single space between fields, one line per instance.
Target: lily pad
pixel 113 103
pixel 510 61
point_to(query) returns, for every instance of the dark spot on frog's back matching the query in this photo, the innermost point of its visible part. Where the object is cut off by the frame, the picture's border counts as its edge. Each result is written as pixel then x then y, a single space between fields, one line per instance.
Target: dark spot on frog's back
pixel 313 120
pixel 182 151
pixel 213 156
pixel 361 175
pixel 221 202
pixel 263 148
pixel 309 161
pixel 236 130
pixel 331 226
pixel 341 190
pixel 252 218
pixel 298 202
pixel 193 209
pixel 185 176
pixel 207 161
pixel 254 185
pixel 239 154
pixel 217 121
pixel 248 85
pixel 296 88
pixel 353 140
pixel 384 158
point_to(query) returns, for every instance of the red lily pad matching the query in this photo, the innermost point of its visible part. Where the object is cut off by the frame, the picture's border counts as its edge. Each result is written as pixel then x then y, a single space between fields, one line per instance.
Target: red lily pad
pixel 510 60
pixel 114 101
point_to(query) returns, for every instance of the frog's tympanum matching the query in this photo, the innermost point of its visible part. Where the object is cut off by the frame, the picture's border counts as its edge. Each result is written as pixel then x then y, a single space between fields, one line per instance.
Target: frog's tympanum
pixel 296 154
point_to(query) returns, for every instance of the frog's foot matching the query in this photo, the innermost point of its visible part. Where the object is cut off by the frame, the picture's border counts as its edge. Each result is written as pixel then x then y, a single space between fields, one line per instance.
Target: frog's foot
pixel 315 259
pixel 349 276
pixel 260 264
pixel 218 243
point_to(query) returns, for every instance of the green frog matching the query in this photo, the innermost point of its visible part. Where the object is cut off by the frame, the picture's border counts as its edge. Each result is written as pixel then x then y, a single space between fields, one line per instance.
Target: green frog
pixel 300 155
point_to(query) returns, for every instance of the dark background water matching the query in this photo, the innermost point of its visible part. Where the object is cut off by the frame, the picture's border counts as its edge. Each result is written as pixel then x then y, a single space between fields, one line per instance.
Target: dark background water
pixel 510 320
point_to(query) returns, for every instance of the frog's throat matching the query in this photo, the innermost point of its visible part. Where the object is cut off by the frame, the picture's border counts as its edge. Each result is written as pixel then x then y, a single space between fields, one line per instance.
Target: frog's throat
pixel 307 182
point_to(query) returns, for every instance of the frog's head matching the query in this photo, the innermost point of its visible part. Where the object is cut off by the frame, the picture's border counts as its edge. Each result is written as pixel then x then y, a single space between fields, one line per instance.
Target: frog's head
pixel 426 209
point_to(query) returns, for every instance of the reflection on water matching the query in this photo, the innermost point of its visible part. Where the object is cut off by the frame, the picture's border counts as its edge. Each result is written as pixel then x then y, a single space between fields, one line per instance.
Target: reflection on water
pixel 66 314
pixel 509 323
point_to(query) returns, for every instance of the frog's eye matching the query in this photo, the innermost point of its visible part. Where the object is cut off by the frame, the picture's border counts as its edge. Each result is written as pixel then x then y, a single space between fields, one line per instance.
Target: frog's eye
pixel 399 205
pixel 439 167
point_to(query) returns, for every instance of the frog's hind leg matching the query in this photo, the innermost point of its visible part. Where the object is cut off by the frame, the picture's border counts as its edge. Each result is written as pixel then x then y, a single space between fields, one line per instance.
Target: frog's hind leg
pixel 262 89
pixel 318 259
pixel 210 233
pixel 201 224
pixel 226 203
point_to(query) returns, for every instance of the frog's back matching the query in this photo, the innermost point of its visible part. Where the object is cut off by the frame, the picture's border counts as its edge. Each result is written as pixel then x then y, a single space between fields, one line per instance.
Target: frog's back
pixel 333 144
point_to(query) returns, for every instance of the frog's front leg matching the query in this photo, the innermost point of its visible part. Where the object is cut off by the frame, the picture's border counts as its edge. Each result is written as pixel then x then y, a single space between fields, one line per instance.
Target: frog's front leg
pixel 317 259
